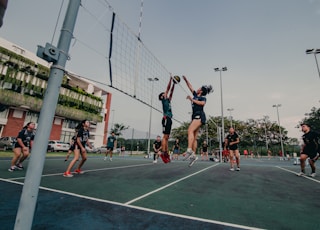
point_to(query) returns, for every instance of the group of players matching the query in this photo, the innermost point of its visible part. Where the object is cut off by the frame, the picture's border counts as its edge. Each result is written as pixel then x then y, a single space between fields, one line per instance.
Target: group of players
pixel 310 150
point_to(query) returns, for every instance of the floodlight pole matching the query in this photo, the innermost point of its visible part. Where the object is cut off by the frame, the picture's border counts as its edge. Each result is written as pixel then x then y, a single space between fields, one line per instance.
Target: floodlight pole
pixel 150 118
pixel 277 107
pixel 314 52
pixel 59 55
pixel 221 95
pixel 230 110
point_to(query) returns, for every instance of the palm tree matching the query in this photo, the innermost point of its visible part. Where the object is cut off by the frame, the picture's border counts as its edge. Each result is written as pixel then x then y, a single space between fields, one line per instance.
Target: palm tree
pixel 118 129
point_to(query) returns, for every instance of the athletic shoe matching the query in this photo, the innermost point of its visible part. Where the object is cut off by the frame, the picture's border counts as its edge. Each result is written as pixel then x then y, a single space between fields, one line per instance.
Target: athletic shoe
pixel 300 174
pixel 188 155
pixel 231 169
pixel 238 169
pixel 312 174
pixel 78 171
pixel 166 157
pixel 193 159
pixel 67 174
pixel 105 158
pixel 11 169
pixel 19 166
pixel 155 161
pixel 110 159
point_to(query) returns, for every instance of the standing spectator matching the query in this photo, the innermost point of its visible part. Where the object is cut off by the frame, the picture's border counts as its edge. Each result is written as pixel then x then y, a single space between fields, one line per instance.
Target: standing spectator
pixel 245 153
pixel 23 145
pixel 309 149
pixel 81 142
pixel 204 151
pixel 232 140
pixel 156 149
pixel 269 154
pixel 176 149
pixel 111 145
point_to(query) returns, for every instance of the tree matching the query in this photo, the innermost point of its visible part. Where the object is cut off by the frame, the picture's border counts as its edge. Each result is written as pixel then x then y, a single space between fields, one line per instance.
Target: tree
pixel 118 129
pixel 313 118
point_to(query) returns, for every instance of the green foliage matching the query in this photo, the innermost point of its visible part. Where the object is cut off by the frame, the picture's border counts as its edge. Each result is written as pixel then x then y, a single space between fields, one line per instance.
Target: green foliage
pixel 313 119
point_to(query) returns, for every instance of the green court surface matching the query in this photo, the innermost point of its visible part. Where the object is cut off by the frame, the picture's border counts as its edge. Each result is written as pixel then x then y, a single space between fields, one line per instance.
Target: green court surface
pixel 133 193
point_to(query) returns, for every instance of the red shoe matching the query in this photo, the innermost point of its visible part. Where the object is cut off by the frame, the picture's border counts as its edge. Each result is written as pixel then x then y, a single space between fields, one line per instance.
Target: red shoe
pixel 165 157
pixel 79 171
pixel 67 174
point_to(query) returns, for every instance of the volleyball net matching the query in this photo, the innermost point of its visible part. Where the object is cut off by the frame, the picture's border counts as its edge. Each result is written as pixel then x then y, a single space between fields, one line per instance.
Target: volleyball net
pixel 135 71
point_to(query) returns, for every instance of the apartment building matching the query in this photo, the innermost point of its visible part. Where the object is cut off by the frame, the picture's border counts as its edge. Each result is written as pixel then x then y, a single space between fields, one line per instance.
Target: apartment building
pixel 23 81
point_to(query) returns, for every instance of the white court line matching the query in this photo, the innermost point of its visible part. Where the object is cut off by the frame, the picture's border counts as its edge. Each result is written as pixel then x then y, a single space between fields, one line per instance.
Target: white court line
pixel 172 183
pixel 307 177
pixel 91 170
pixel 140 208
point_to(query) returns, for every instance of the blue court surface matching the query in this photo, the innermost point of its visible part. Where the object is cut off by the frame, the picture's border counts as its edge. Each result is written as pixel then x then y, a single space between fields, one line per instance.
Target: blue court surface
pixel 133 193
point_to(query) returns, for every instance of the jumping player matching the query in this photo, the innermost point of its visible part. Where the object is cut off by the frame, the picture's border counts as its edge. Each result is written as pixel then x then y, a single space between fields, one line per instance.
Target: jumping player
pixel 165 98
pixel 309 150
pixel 198 102
pixel 81 142
pixel 231 142
pixel 111 145
pixel 23 145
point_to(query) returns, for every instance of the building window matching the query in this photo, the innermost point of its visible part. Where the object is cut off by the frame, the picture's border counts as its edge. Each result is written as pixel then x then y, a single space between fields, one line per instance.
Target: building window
pixel 32 117
pixel 17 113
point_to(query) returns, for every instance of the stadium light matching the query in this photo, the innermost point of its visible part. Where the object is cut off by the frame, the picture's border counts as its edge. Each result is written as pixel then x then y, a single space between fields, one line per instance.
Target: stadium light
pixel 230 110
pixel 277 107
pixel 314 52
pixel 150 118
pixel 222 119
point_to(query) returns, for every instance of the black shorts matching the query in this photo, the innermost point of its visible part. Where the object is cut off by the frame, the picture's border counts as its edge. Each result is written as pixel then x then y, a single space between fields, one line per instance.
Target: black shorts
pixel 109 148
pixel 311 155
pixel 72 147
pixel 166 125
pixel 199 116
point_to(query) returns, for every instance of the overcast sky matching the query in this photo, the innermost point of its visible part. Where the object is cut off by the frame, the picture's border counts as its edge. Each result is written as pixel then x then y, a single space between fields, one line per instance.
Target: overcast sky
pixel 261 42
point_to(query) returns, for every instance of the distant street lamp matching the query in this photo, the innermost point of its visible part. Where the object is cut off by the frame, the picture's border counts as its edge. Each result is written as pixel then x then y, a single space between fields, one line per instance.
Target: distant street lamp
pixel 230 110
pixel 222 119
pixel 150 118
pixel 314 52
pixel 277 106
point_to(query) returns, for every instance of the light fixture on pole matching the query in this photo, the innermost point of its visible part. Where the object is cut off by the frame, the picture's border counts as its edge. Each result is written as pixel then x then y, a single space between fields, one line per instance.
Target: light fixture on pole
pixel 277 107
pixel 150 118
pixel 112 125
pixel 265 119
pixel 314 52
pixel 222 118
pixel 230 110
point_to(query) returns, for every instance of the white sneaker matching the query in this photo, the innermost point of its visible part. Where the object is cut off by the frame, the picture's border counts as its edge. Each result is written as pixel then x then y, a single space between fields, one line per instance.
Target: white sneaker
pixel 238 169
pixel 193 159
pixel 188 155
pixel 105 158
pixel 155 161
pixel 312 174
pixel 110 159
pixel 301 174
pixel 231 169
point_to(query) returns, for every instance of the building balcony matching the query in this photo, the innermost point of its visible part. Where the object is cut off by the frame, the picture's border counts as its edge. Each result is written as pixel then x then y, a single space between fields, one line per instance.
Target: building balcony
pixel 15 99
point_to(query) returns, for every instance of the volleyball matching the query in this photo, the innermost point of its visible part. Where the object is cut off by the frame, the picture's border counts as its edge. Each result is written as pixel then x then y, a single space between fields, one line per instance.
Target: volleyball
pixel 176 79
